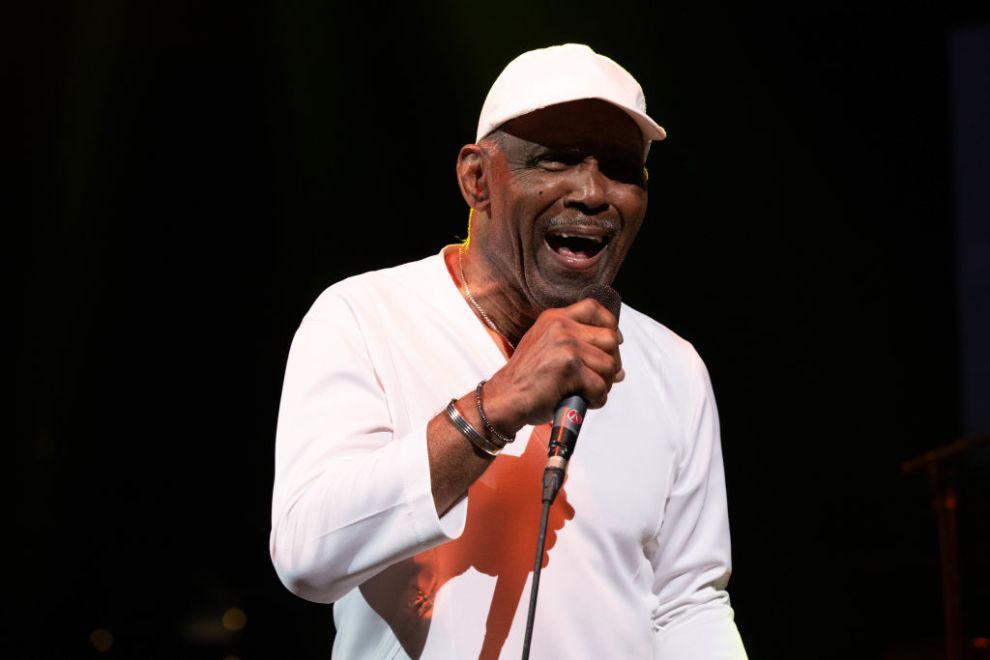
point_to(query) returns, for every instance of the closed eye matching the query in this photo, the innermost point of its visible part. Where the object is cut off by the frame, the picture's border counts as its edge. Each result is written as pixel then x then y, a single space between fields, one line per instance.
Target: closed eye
pixel 556 162
pixel 624 170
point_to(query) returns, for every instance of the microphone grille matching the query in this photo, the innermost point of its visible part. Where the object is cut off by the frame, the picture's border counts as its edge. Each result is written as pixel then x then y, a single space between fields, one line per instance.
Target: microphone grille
pixel 606 295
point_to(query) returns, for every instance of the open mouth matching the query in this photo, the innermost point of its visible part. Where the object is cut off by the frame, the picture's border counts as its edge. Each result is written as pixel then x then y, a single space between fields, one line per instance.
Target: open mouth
pixel 575 247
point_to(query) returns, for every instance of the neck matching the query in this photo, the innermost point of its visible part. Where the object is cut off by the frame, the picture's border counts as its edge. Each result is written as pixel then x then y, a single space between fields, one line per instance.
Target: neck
pixel 512 315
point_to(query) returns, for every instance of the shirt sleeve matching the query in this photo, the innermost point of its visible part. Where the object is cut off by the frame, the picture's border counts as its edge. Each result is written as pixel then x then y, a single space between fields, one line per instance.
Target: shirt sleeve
pixel 690 554
pixel 350 498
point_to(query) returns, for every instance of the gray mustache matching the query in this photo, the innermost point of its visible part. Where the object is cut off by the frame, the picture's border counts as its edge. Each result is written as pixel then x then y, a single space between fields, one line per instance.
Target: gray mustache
pixel 569 223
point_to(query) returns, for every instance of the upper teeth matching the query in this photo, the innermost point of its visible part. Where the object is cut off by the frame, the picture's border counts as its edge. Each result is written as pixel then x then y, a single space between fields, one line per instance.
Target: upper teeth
pixel 596 239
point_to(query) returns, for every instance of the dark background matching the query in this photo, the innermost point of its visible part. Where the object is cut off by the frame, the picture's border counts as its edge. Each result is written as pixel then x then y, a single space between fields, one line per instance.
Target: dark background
pixel 188 176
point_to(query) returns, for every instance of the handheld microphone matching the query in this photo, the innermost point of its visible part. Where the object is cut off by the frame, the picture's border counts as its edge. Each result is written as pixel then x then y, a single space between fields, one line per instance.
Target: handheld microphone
pixel 569 416
pixel 567 421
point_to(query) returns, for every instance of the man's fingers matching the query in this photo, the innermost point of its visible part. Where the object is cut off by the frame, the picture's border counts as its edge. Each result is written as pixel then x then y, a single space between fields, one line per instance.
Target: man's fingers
pixel 598 371
pixel 591 312
pixel 595 388
pixel 605 339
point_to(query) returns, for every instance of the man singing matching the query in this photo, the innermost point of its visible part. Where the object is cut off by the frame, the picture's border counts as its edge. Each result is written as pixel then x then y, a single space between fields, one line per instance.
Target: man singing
pixel 417 402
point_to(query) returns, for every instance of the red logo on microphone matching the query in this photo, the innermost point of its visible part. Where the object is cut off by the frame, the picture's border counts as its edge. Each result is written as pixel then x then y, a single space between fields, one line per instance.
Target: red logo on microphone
pixel 573 416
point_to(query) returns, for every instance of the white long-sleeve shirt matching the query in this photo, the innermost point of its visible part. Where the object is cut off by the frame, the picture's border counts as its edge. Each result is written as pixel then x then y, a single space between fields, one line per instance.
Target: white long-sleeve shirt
pixel 638 547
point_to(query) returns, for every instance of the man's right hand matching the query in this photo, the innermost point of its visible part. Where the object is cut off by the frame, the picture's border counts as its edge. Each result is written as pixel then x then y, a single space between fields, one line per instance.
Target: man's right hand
pixel 569 350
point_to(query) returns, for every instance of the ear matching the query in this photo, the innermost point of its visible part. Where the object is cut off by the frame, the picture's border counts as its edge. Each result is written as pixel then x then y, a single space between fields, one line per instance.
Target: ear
pixel 472 164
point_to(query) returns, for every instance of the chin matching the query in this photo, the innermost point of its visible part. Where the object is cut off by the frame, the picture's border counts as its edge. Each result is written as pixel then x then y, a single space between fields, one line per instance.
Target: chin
pixel 567 292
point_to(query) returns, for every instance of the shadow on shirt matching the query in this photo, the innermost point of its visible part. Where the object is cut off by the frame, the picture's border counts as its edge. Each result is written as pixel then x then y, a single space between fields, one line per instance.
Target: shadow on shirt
pixel 499 539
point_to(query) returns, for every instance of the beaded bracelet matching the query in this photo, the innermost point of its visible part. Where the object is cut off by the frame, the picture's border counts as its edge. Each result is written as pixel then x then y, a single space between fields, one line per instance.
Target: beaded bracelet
pixel 505 439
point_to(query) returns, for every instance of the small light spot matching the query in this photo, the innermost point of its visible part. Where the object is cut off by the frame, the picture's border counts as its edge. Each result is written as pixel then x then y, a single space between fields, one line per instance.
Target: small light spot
pixel 101 639
pixel 231 657
pixel 234 619
pixel 981 643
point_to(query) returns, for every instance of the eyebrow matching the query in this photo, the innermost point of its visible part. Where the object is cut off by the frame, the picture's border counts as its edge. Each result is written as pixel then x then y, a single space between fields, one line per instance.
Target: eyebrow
pixel 613 153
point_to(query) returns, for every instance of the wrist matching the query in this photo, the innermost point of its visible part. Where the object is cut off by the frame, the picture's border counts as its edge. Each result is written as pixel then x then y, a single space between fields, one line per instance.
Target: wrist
pixel 491 430
pixel 470 431
pixel 497 412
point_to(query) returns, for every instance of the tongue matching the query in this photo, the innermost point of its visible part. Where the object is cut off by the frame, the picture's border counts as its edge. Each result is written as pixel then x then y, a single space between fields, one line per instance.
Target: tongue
pixel 574 247
pixel 568 252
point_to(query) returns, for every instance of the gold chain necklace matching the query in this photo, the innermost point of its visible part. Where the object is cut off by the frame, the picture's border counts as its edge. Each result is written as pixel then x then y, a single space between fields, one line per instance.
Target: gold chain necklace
pixel 474 303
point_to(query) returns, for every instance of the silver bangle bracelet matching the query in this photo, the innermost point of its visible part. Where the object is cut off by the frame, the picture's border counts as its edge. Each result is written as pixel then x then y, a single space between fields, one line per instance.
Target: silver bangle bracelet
pixel 469 432
pixel 504 439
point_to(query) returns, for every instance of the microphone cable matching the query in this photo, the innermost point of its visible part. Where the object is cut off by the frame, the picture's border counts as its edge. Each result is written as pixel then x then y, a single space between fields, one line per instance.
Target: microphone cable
pixel 553 477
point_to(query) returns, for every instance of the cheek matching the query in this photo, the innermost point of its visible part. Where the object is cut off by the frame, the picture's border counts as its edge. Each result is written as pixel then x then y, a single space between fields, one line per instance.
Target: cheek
pixel 633 205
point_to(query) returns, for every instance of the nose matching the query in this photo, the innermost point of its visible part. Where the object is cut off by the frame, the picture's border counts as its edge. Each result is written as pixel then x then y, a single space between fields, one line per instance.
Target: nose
pixel 589 192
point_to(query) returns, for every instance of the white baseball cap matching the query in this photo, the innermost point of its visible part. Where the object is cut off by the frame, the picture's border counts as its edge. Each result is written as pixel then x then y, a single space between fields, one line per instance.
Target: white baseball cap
pixel 558 74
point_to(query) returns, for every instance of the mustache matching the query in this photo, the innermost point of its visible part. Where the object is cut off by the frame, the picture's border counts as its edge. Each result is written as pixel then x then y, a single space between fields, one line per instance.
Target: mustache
pixel 605 224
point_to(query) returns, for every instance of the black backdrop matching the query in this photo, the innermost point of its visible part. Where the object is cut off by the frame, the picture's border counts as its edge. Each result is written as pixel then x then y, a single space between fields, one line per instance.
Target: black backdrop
pixel 189 176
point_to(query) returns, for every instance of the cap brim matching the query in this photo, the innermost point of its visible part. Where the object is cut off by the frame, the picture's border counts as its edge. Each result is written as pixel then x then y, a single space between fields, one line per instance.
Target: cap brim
pixel 651 130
